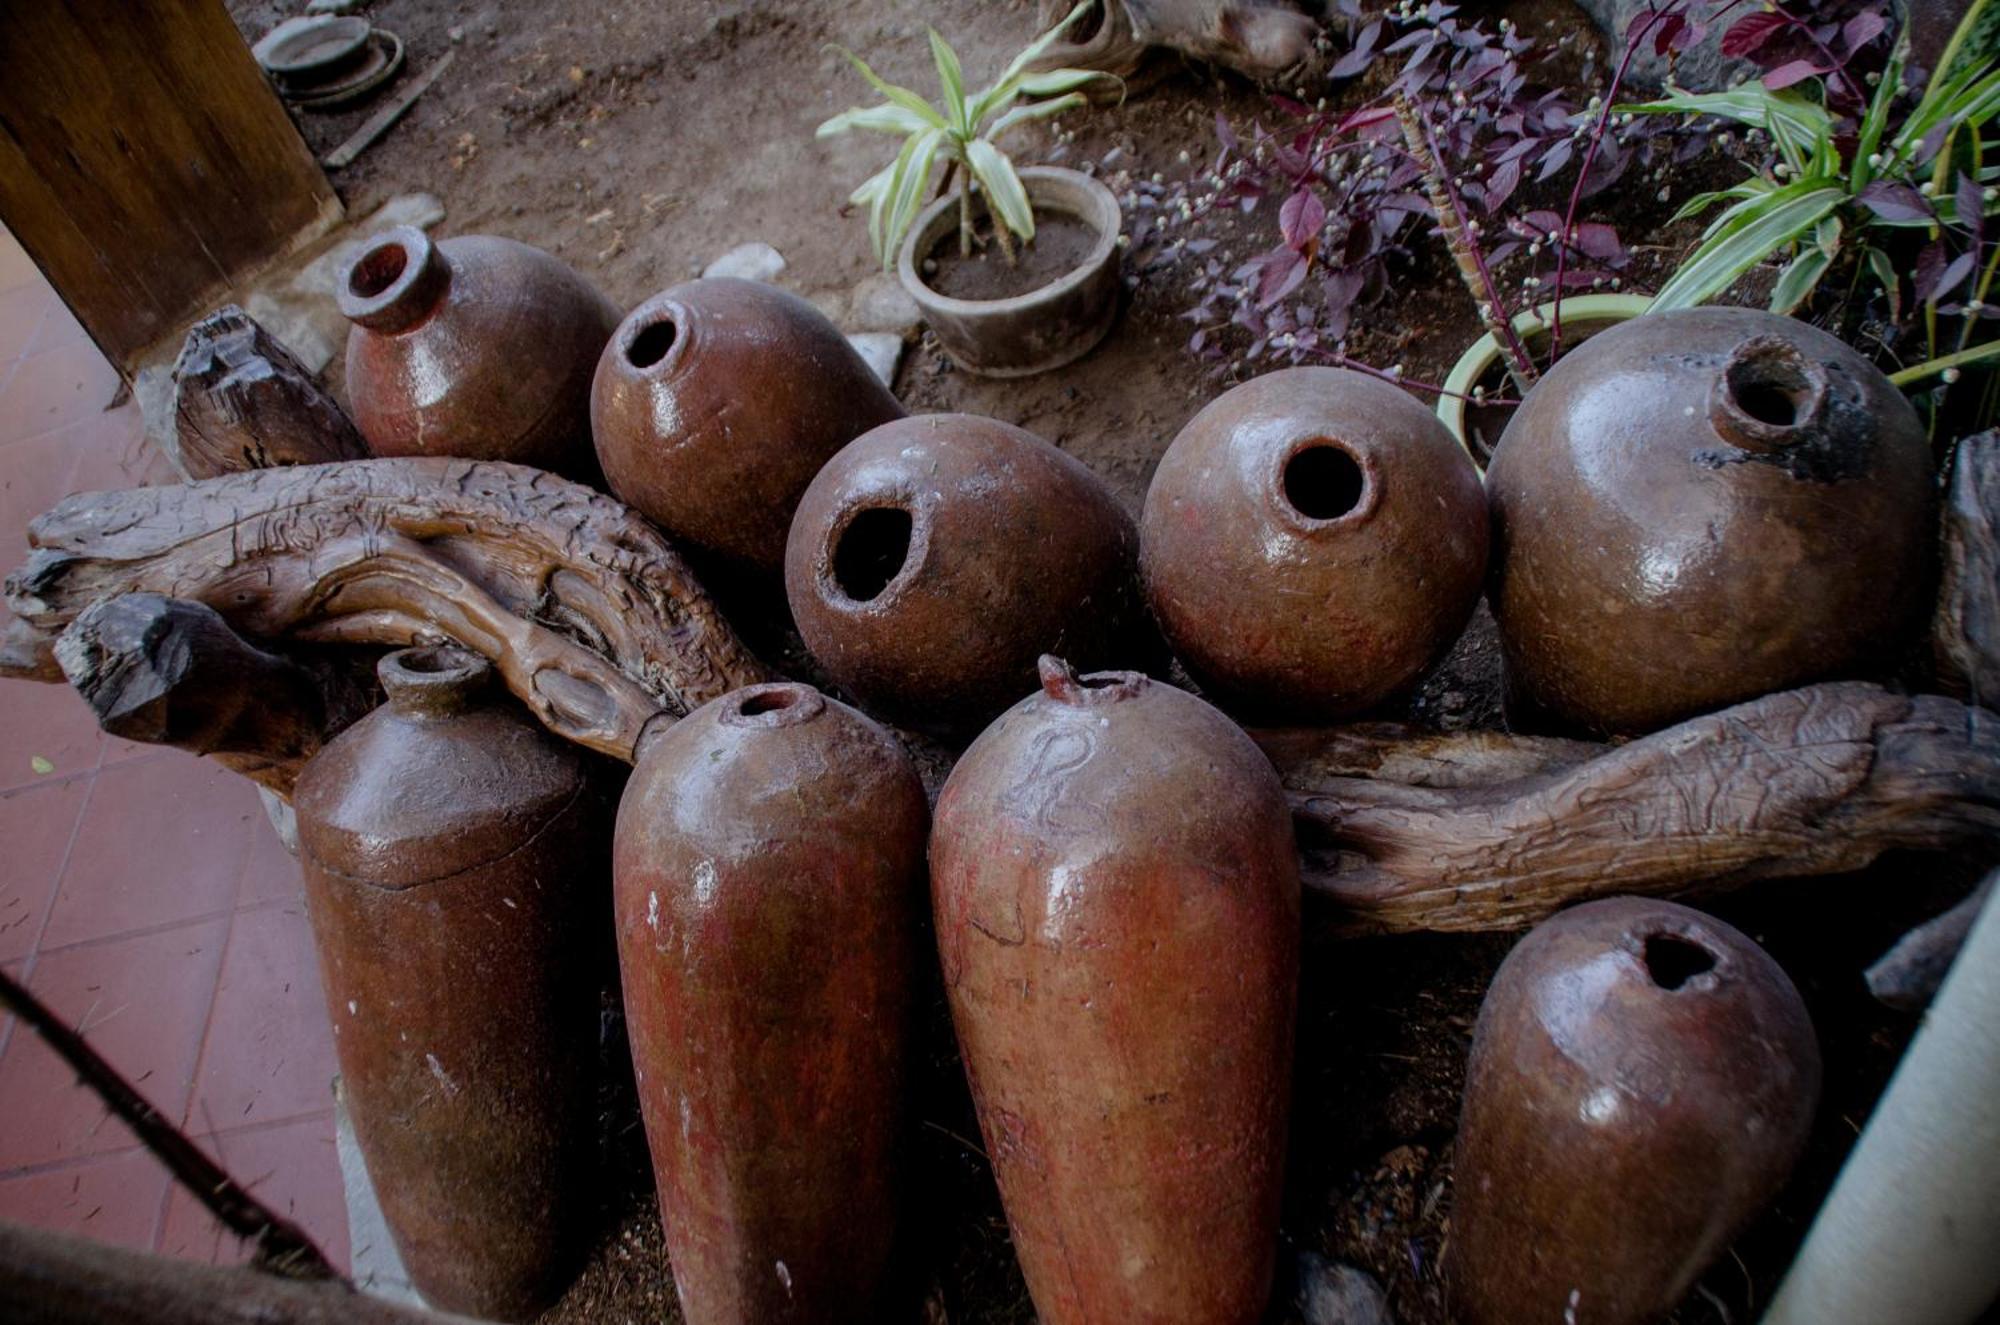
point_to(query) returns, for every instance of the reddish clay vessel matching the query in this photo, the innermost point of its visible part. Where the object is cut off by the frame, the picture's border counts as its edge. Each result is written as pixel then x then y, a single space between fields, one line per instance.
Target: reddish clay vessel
pixel 715 404
pixel 475 346
pixel 457 873
pixel 1700 507
pixel 1313 541
pixel 1643 1078
pixel 1116 894
pixel 936 558
pixel 770 884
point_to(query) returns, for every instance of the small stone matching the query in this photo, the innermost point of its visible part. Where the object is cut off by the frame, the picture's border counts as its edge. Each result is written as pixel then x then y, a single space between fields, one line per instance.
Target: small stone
pixel 333 6
pixel 750 262
pixel 881 304
pixel 881 350
pixel 1330 1293
pixel 457 34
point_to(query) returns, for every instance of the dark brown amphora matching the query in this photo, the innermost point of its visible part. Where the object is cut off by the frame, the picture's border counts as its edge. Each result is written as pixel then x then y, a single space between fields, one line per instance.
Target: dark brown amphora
pixel 1696 508
pixel 476 346
pixel 936 558
pixel 457 867
pixel 770 884
pixel 715 404
pixel 1642 1080
pixel 1313 541
pixel 1116 895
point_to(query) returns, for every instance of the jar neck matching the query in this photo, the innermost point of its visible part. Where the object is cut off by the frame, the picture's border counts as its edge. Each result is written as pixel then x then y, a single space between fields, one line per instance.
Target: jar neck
pixel 1061 683
pixel 396 282
pixel 434 680
pixel 1768 396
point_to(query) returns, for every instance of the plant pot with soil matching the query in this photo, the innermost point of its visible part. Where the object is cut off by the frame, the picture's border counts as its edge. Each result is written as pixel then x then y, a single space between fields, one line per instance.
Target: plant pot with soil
pixel 1046 303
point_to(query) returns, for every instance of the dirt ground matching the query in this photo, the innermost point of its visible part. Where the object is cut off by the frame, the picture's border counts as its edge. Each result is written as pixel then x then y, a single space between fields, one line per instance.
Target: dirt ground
pixel 641 141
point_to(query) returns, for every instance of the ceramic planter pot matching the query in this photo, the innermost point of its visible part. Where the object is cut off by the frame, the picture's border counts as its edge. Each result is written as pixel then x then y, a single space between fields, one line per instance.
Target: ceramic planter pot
pixel 457 871
pixel 1312 542
pixel 771 909
pixel 714 405
pixel 1643 1077
pixel 1696 508
pixel 1042 329
pixel 1116 895
pixel 476 347
pixel 935 559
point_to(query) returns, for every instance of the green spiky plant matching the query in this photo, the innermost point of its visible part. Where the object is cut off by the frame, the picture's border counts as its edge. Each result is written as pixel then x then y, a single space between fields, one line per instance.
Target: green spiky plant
pixel 958 133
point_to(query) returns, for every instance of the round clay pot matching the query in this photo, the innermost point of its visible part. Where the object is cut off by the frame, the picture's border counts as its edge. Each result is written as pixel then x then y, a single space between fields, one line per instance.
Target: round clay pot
pixel 771 909
pixel 1313 541
pixel 1116 895
pixel 714 405
pixel 1696 508
pixel 454 851
pixel 1034 332
pixel 476 347
pixel 936 558
pixel 1642 1079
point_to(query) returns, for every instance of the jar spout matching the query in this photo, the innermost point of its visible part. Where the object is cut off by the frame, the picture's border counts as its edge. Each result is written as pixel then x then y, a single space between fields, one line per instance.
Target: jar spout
pixel 1768 395
pixel 395 283
pixel 433 680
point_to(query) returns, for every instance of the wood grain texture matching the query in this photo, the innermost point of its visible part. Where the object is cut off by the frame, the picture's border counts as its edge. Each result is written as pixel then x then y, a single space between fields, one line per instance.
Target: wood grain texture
pixel 241 401
pixel 1965 635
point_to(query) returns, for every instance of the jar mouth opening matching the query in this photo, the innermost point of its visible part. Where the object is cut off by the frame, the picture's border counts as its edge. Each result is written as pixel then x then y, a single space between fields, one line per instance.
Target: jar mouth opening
pixel 433 677
pixel 1060 682
pixel 1678 960
pixel 393 282
pixel 1769 393
pixel 873 551
pixel 652 341
pixel 773 704
pixel 1323 481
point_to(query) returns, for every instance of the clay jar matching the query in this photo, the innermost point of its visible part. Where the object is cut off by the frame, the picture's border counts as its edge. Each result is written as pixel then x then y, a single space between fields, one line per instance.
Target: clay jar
pixel 476 347
pixel 715 404
pixel 1700 507
pixel 1642 1079
pixel 770 885
pixel 1116 896
pixel 936 558
pixel 458 874
pixel 1312 542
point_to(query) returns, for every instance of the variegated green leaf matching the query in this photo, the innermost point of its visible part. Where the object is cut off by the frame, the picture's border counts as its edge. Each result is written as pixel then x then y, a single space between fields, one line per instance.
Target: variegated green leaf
pixel 1006 87
pixel 901 96
pixel 909 193
pixel 1798 278
pixel 1004 192
pixel 1038 110
pixel 879 119
pixel 1748 103
pixel 951 80
pixel 1877 118
pixel 1750 232
pixel 1892 284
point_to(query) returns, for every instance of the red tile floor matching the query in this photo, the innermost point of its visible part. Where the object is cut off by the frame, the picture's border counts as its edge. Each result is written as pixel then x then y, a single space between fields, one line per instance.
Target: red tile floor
pixel 143 893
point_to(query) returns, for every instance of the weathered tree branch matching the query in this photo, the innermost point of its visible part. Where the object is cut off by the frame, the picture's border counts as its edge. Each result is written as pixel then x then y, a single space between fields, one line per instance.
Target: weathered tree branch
pixel 1908 975
pixel 1965 636
pixel 241 401
pixel 591 617
pixel 1305 757
pixel 1820 780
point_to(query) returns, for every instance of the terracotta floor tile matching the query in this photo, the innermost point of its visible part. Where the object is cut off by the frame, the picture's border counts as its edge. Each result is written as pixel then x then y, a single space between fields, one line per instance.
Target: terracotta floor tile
pixel 272 873
pixel 269 1049
pixel 291 1167
pixel 35 474
pixel 55 388
pixel 36 824
pixel 59 327
pixel 23 310
pixel 16 268
pixel 46 723
pixel 112 452
pixel 163 840
pixel 14 970
pixel 116 1199
pixel 142 1003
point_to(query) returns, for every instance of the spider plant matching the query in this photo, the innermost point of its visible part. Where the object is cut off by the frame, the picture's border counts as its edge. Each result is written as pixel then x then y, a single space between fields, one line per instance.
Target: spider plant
pixel 958 132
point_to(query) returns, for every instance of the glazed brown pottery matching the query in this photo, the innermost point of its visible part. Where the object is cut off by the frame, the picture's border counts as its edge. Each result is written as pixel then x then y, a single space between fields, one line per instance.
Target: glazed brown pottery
pixel 1312 542
pixel 1700 507
pixel 457 872
pixel 1642 1079
pixel 474 346
pixel 936 558
pixel 1116 895
pixel 715 404
pixel 770 885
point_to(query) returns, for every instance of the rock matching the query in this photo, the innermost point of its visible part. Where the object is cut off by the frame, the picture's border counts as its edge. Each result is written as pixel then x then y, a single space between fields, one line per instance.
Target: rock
pixel 1330 1293
pixel 750 262
pixel 422 210
pixel 153 389
pixel 1702 68
pixel 295 327
pixel 881 304
pixel 881 350
pixel 334 6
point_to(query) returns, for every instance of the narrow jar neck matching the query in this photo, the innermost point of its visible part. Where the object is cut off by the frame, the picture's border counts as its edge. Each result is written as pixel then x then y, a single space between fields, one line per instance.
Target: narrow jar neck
pixel 1768 395
pixel 1061 683
pixel 434 680
pixel 396 282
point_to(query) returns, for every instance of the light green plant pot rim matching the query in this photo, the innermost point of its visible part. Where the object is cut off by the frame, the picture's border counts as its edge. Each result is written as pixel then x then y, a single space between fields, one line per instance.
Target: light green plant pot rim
pixel 1584 311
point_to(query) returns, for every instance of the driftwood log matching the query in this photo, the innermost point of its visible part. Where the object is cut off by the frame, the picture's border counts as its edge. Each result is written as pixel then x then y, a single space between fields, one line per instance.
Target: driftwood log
pixel 1254 37
pixel 1908 975
pixel 1965 637
pixel 591 617
pixel 242 402
pixel 1820 780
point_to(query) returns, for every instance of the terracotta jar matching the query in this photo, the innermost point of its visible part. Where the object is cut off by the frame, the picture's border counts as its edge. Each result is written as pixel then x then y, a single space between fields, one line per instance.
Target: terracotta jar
pixel 715 404
pixel 936 558
pixel 1700 507
pixel 1312 542
pixel 457 872
pixel 770 884
pixel 1116 894
pixel 476 347
pixel 1643 1078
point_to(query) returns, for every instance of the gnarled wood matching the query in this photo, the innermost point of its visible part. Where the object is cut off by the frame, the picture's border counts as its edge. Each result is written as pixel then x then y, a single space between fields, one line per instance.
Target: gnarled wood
pixel 1908 975
pixel 591 617
pixel 241 401
pixel 1819 780
pixel 1305 757
pixel 1965 636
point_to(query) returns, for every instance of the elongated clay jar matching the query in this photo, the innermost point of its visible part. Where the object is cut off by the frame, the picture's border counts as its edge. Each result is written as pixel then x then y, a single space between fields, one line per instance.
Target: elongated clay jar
pixel 936 558
pixel 1312 542
pixel 1643 1078
pixel 771 908
pixel 457 873
pixel 475 346
pixel 1700 507
pixel 715 404
pixel 1116 894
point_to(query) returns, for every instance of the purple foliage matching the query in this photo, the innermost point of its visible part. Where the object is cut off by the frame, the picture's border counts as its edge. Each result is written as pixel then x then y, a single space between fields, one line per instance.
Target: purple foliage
pixel 1841 42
